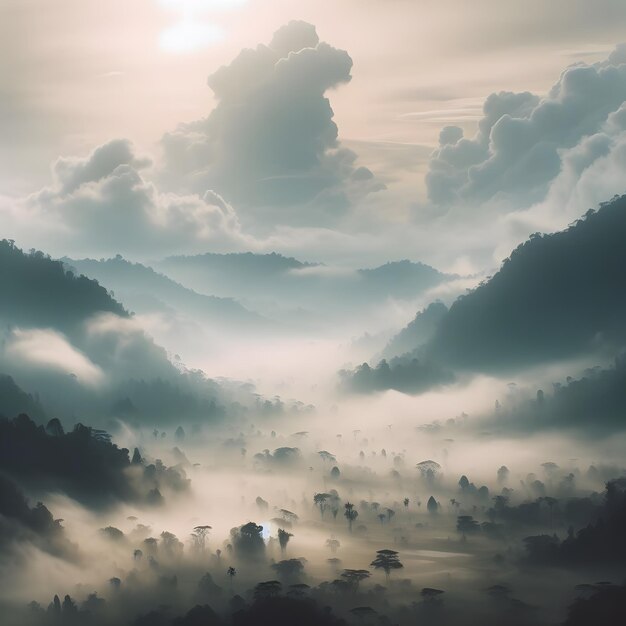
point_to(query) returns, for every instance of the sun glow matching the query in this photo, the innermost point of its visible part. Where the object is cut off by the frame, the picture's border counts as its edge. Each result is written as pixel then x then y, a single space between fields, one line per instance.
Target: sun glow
pixel 194 28
pixel 189 34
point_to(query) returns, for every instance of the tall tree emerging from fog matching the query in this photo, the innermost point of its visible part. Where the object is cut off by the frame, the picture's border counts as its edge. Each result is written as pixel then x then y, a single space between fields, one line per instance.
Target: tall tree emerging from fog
pixel 283 539
pixel 350 513
pixel 387 560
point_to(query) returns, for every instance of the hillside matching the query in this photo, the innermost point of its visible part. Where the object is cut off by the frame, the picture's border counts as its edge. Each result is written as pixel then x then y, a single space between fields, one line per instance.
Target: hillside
pixel 557 296
pixel 295 291
pixel 417 332
pixel 37 291
pixel 145 291
pixel 68 349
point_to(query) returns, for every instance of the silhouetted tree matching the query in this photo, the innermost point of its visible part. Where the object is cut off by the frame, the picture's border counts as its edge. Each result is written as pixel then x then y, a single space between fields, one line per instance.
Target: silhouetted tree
pixel 320 500
pixel 199 536
pixel 466 525
pixel 354 576
pixel 503 475
pixel 432 505
pixel 248 540
pixel 289 569
pixel 431 595
pixel 333 544
pixel 386 560
pixel 267 589
pixel 350 513
pixel 231 572
pixel 283 539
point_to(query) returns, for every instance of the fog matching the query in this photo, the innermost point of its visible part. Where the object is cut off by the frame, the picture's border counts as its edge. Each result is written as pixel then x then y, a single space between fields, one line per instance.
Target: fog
pixel 266 467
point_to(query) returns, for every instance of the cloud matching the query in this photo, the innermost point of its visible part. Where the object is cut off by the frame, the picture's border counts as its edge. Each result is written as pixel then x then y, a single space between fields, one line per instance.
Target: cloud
pixel 49 349
pixel 523 141
pixel 104 203
pixel 270 145
pixel 591 172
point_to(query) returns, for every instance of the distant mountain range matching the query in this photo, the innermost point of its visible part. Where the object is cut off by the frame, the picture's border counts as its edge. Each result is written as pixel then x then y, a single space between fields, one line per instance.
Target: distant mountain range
pixel 144 291
pixel 279 286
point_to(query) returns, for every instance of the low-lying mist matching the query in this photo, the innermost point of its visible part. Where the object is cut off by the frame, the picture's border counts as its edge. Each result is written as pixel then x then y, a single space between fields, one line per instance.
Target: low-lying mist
pixel 422 476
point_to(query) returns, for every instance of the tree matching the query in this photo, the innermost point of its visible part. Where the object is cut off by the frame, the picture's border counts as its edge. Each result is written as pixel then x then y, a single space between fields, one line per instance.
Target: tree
pixel 550 502
pixel 298 590
pixel 69 607
pixel 430 595
pixel 386 560
pixel 283 539
pixel 333 544
pixel 288 516
pixel 231 572
pixel 320 500
pixel 248 540
pixel 466 524
pixel 432 505
pixel 115 534
pixel 354 576
pixel 199 536
pixel 429 470
pixel 171 544
pixel 267 589
pixel 350 513
pixel 288 569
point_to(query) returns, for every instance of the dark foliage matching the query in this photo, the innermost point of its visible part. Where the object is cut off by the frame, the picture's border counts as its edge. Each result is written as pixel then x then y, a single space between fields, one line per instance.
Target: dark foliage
pixel 82 463
pixel 37 291
pixel 553 298
pixel 601 542
pixel 276 610
pixel 606 607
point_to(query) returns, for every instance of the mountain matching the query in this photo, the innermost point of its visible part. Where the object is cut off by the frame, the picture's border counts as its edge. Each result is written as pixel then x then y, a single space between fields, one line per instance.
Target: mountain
pixel 417 333
pixel 75 351
pixel 232 274
pixel 14 401
pixel 400 279
pixel 295 291
pixel 146 291
pixel 558 296
pixel 39 292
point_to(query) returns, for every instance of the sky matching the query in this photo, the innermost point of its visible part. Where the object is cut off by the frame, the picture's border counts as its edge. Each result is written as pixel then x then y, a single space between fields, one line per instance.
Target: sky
pixel 328 157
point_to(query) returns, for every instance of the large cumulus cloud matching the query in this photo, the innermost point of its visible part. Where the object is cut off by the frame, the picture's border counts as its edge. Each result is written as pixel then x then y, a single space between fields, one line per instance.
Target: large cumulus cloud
pixel 524 142
pixel 104 203
pixel 271 140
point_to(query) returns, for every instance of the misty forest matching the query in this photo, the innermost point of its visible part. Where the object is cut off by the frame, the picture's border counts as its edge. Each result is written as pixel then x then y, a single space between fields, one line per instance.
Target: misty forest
pixel 345 346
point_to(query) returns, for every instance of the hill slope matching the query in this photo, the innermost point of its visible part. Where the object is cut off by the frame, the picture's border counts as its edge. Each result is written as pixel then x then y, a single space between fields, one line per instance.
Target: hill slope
pixel 145 290
pixel 555 297
pixel 558 296
pixel 66 342
pixel 289 289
